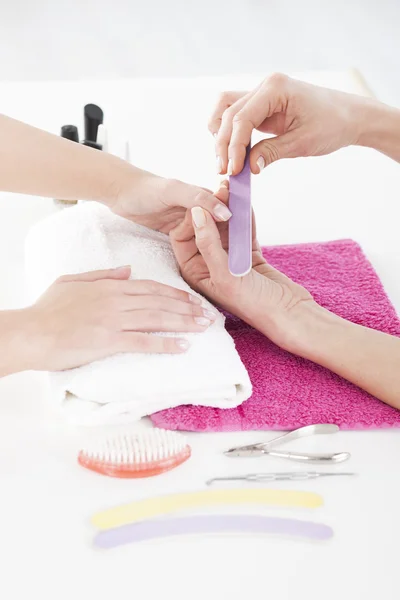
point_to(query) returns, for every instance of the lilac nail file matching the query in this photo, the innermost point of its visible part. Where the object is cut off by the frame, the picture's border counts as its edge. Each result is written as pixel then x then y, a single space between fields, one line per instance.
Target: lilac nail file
pixel 206 524
pixel 240 235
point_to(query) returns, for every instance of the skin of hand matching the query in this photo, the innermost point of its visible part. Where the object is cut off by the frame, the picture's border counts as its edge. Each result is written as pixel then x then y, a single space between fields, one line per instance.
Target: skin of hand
pixel 305 119
pixel 265 298
pixel 39 163
pixel 284 311
pixel 86 317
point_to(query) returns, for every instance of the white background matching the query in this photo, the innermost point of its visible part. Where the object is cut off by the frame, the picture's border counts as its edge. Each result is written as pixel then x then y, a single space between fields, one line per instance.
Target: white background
pixel 110 39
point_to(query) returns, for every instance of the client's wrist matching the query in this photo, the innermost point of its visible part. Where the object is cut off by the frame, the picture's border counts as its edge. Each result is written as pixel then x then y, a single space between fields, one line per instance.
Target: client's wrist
pixel 121 180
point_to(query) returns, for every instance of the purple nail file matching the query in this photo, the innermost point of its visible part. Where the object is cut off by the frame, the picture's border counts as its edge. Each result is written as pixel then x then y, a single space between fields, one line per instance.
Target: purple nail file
pixel 240 235
pixel 206 524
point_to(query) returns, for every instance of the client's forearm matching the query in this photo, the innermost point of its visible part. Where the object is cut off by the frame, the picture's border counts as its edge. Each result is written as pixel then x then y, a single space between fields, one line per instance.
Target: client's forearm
pixel 38 163
pixel 367 358
pixel 380 128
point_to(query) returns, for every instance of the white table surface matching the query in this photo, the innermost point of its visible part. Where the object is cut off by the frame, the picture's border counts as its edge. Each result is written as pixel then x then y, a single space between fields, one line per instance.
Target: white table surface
pixel 46 498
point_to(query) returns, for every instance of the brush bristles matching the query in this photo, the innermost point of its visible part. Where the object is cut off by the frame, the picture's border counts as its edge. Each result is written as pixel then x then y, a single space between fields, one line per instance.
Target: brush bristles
pixel 136 448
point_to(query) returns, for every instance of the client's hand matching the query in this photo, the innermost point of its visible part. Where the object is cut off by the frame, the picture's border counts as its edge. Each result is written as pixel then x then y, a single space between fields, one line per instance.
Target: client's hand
pixel 264 298
pixel 161 203
pixel 83 318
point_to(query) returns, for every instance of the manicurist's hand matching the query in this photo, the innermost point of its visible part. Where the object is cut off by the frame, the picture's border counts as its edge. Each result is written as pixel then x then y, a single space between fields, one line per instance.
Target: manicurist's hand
pixel 86 317
pixel 305 119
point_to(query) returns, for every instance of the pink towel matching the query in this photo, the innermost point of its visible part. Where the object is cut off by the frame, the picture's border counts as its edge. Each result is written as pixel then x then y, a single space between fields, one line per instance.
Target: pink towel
pixel 288 391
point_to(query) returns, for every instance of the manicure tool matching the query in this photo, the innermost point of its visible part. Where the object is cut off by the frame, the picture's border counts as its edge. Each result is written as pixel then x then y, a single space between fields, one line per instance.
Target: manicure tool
pixel 135 454
pixel 206 524
pixel 291 476
pixel 268 448
pixel 240 224
pixel 163 505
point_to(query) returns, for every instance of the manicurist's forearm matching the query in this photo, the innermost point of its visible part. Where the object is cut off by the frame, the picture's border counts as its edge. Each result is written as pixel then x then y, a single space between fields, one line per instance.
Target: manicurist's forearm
pixel 38 163
pixel 380 128
pixel 367 358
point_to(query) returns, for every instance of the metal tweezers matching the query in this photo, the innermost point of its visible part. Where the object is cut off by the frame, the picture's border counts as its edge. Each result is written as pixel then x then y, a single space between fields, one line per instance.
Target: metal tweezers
pixel 292 476
pixel 268 448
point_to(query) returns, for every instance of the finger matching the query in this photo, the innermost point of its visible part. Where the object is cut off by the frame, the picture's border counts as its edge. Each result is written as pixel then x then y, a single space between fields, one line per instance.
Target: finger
pixel 132 303
pixel 223 192
pixel 183 241
pixel 224 134
pixel 272 149
pixel 270 98
pixel 151 321
pixel 189 196
pixel 118 273
pixel 208 242
pixel 225 100
pixel 154 288
pixel 150 344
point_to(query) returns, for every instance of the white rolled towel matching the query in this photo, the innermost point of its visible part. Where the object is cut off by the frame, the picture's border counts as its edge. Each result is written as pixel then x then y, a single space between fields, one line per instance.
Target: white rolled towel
pixel 126 387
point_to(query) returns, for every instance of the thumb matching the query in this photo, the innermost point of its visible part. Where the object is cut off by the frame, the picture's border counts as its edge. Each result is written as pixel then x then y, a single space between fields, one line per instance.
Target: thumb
pixel 272 149
pixel 118 273
pixel 209 244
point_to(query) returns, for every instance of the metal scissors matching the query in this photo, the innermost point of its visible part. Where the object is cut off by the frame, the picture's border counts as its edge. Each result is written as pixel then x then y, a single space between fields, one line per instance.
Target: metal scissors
pixel 264 477
pixel 268 448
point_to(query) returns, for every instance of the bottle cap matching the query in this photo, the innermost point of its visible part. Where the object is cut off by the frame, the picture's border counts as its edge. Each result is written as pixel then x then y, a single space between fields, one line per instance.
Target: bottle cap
pixel 70 132
pixel 93 118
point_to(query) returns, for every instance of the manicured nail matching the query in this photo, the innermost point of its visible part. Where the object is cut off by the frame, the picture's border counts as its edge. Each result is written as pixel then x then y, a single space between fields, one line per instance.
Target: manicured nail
pixel 199 217
pixel 194 299
pixel 210 314
pixel 230 167
pixel 182 345
pixel 202 321
pixel 260 163
pixel 219 164
pixel 222 212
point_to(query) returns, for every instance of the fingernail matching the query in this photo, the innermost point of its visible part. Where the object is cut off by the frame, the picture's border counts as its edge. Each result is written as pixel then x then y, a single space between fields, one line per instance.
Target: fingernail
pixel 230 167
pixel 199 217
pixel 215 134
pixel 124 267
pixel 219 164
pixel 222 212
pixel 194 299
pixel 260 163
pixel 210 314
pixel 182 345
pixel 202 321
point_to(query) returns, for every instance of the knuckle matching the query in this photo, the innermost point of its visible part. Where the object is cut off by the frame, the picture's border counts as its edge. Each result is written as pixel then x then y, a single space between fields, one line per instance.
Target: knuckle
pixel 223 98
pixel 270 152
pixel 151 287
pixel 276 80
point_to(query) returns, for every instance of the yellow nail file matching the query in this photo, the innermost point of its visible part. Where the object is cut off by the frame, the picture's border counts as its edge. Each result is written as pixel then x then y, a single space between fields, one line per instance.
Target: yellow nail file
pixel 161 505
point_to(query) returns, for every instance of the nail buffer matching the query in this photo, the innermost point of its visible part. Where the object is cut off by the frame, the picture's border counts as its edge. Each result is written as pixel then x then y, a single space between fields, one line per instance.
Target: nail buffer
pixel 240 224
pixel 163 505
pixel 211 524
